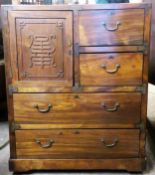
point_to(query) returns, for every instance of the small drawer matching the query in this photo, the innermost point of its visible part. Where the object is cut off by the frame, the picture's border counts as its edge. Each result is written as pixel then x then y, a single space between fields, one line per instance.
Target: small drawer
pixel 111 69
pixel 111 27
pixel 98 110
pixel 82 144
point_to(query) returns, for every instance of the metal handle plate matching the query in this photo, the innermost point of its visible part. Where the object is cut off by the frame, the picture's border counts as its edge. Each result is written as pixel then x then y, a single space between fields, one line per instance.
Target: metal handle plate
pixel 112 29
pixel 47 145
pixel 111 71
pixel 110 109
pixel 110 145
pixel 46 110
pixel 69 43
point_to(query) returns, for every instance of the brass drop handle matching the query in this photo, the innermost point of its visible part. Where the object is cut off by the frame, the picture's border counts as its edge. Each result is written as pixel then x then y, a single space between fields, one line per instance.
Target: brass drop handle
pixel 111 71
pixel 110 29
pixel 43 110
pixel 110 145
pixel 47 145
pixel 110 109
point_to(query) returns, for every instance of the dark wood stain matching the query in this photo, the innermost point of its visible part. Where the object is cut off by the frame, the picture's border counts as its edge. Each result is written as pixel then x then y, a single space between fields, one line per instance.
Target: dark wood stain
pixel 79 73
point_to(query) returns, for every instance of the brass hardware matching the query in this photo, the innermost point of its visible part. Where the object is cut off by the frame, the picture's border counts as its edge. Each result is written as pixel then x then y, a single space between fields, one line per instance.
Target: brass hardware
pixel 76 50
pixel 141 126
pixel 147 9
pixel 108 109
pixel 110 29
pixel 77 132
pixel 112 71
pixel 111 57
pixel 43 110
pixel 77 88
pixel 146 48
pixel 142 88
pixel 69 43
pixel 47 145
pixel 110 145
pixel 76 96
pixel 12 89
pixel 60 133
pixel 14 126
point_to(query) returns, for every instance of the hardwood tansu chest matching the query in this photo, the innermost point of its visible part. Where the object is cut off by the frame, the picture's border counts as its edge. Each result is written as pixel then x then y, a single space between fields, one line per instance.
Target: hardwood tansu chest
pixel 77 85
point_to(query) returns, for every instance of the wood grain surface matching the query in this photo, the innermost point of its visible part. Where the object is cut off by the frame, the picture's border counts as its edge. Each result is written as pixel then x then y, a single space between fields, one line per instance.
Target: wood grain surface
pixel 101 69
pixel 111 27
pixel 77 143
pixel 87 110
pixel 77 85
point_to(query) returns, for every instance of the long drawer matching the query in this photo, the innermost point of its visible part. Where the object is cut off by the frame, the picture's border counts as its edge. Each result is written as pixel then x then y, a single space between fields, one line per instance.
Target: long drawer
pixel 78 110
pixel 111 69
pixel 111 27
pixel 83 143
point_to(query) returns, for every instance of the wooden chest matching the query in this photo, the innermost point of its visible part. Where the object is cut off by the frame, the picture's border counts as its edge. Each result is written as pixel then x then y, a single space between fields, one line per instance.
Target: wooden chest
pixel 77 85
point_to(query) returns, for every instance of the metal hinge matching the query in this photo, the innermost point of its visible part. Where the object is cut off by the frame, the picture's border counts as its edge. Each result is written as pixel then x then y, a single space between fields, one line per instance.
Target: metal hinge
pixel 14 126
pixel 12 89
pixel 141 126
pixel 142 88
pixel 77 88
pixel 76 50
pixel 146 48
pixel 147 9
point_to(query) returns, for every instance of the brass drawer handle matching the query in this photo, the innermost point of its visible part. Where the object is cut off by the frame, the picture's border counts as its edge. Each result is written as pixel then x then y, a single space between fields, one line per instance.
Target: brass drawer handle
pixel 108 109
pixel 112 71
pixel 110 145
pixel 47 145
pixel 110 29
pixel 43 110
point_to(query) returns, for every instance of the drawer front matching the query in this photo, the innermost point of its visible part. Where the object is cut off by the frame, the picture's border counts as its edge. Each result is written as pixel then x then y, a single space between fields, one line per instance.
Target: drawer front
pixel 77 144
pixel 84 110
pixel 111 69
pixel 111 27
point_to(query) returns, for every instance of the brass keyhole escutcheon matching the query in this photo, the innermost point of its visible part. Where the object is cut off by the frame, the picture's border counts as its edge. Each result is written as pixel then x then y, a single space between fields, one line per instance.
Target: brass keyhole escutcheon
pixel 76 96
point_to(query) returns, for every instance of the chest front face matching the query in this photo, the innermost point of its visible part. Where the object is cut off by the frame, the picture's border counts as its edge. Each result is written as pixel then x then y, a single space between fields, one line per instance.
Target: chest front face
pixel 78 77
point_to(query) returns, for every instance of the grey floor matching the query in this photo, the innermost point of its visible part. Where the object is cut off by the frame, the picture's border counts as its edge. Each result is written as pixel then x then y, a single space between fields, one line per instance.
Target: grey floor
pixel 150 147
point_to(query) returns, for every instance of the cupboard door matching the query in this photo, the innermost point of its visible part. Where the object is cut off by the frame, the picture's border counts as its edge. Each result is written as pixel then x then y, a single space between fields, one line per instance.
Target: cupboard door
pixel 43 50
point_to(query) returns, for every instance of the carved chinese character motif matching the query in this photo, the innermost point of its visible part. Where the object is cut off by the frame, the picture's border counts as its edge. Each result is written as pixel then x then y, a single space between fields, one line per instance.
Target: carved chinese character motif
pixel 42 49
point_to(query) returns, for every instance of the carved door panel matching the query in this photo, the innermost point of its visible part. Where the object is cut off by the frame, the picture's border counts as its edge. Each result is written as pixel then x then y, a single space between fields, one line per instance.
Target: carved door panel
pixel 40 48
pixel 43 47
